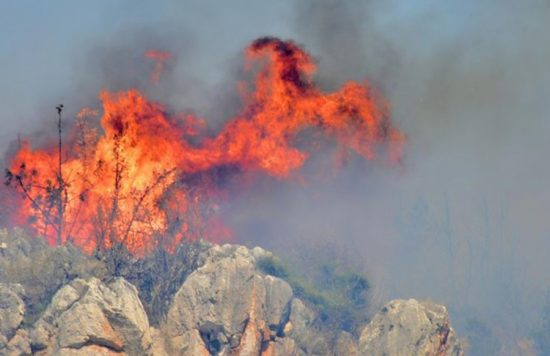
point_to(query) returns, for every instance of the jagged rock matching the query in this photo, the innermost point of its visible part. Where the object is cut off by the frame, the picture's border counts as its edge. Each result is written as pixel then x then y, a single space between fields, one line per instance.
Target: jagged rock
pixel 410 327
pixel 228 306
pixel 278 294
pixel 346 345
pixel 235 308
pixel 158 347
pixel 13 341
pixel 88 317
pixel 299 327
pixel 19 345
pixel 282 347
pixel 12 309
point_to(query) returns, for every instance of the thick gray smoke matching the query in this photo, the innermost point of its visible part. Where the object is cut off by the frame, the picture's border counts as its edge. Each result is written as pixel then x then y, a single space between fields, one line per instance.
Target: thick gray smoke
pixel 464 221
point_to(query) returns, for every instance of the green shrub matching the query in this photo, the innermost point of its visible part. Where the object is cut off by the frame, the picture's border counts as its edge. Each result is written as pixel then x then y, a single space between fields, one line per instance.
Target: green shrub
pixel 340 298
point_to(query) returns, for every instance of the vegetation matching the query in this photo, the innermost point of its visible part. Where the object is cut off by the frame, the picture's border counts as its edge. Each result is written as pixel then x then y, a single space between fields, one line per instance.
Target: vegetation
pixel 339 296
pixel 42 270
pixel 48 199
pixel 157 275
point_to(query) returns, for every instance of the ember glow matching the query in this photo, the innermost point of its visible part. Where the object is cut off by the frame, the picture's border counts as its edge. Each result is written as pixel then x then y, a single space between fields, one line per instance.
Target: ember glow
pixel 143 177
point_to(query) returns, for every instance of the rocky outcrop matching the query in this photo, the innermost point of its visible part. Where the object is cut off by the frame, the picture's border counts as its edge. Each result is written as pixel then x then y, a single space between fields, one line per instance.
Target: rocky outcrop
pixel 13 340
pixel 88 317
pixel 12 310
pixel 227 306
pixel 410 327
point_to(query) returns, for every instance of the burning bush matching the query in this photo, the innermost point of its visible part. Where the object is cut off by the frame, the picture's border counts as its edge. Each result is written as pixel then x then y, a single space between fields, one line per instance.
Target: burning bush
pixel 142 178
pixel 42 270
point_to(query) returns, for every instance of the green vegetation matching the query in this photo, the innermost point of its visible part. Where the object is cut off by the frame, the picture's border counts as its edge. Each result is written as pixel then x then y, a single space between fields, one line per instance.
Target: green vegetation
pixel 340 297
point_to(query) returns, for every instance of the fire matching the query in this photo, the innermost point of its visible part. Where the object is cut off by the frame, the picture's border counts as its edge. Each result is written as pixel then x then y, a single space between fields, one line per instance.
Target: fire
pixel 143 177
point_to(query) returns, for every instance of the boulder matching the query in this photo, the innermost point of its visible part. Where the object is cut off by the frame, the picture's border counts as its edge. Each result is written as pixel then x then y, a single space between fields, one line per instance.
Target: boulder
pixel 19 345
pixel 88 317
pixel 227 306
pixel 346 345
pixel 12 309
pixel 13 340
pixel 410 327
pixel 282 347
pixel 300 328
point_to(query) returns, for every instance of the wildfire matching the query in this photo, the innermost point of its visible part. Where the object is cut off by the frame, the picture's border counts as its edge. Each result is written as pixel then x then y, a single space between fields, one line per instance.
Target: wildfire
pixel 139 179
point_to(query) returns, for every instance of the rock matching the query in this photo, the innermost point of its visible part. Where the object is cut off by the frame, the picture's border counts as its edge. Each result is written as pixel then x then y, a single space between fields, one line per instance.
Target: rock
pixel 346 345
pixel 158 347
pixel 89 350
pixel 19 345
pixel 282 347
pixel 410 327
pixel 278 295
pixel 228 304
pixel 12 309
pixel 13 340
pixel 88 317
pixel 300 328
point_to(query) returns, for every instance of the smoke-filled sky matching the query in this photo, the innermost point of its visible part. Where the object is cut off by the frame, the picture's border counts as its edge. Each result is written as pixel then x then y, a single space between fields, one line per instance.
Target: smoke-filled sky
pixel 464 221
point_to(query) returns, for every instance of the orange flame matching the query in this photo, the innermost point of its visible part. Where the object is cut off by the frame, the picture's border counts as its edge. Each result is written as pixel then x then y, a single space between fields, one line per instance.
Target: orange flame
pixel 139 179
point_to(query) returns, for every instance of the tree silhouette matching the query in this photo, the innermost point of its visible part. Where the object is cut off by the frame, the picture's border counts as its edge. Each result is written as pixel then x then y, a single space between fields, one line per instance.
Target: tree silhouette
pixel 48 199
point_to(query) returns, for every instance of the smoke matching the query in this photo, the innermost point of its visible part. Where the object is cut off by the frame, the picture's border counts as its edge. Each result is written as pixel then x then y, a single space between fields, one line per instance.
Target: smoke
pixel 463 221
pixel 346 38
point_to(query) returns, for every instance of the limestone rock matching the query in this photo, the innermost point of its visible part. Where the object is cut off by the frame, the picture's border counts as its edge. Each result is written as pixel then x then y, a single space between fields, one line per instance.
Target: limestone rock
pixel 283 347
pixel 88 317
pixel 19 345
pixel 227 306
pixel 346 345
pixel 410 327
pixel 12 309
pixel 300 328
pixel 13 340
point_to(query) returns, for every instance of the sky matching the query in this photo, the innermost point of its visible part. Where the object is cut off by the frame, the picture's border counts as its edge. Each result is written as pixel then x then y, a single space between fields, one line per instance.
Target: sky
pixel 42 45
pixel 464 221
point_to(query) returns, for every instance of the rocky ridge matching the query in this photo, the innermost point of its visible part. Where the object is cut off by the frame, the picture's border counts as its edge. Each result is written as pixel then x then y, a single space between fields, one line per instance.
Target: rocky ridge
pixel 227 306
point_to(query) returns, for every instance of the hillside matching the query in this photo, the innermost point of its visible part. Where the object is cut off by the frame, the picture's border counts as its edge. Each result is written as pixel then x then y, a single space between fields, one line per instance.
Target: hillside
pixel 57 301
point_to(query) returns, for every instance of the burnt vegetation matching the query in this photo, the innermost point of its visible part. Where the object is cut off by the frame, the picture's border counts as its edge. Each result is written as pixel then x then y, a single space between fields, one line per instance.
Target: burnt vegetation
pixel 127 195
pixel 124 218
pixel 42 269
